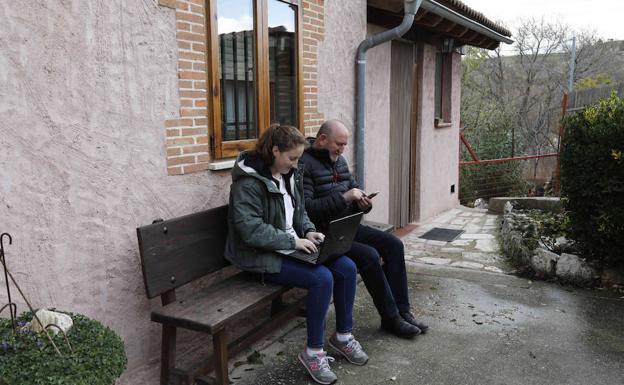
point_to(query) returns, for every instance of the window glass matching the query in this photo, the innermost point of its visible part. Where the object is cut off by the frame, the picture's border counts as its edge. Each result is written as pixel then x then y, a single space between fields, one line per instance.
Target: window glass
pixel 438 84
pixel 282 18
pixel 235 25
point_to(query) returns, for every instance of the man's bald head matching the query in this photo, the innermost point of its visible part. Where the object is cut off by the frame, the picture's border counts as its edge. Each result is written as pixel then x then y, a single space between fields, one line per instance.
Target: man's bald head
pixel 331 128
pixel 333 136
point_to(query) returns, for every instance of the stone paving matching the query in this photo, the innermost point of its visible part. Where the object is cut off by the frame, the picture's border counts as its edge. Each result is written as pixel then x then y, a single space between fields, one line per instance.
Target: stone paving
pixel 476 248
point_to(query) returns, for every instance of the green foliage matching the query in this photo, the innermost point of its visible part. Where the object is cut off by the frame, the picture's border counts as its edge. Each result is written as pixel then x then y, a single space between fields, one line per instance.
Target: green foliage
pixel 28 358
pixel 592 180
pixel 548 227
pixel 589 82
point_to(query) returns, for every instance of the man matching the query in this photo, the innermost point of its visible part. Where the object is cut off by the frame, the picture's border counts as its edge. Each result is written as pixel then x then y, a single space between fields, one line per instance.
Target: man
pixel 331 192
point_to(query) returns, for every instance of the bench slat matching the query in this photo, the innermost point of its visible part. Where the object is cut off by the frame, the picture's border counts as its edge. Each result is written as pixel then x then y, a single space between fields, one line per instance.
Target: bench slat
pixel 180 250
pixel 211 308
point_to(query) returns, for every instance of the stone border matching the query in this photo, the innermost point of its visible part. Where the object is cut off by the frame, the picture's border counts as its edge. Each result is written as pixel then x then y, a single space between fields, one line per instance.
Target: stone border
pixel 544 263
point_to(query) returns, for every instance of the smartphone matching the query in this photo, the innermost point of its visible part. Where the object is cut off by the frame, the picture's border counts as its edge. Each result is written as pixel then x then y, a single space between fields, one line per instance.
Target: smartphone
pixel 372 195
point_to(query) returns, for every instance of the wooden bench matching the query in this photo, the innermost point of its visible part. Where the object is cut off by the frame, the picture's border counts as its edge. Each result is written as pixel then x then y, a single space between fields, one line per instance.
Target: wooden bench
pixel 181 250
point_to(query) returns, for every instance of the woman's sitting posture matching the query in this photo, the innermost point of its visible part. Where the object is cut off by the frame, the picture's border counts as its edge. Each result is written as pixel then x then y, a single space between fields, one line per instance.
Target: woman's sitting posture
pixel 267 213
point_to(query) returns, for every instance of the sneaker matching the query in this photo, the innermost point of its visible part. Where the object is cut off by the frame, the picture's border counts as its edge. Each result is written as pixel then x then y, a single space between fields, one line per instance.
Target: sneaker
pixel 409 317
pixel 318 367
pixel 351 350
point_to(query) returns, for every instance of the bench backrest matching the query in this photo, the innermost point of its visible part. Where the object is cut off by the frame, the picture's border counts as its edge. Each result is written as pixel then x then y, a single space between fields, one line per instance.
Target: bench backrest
pixel 180 250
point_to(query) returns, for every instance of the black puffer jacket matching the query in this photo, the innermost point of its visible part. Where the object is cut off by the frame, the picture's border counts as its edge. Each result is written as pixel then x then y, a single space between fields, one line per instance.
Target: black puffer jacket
pixel 324 182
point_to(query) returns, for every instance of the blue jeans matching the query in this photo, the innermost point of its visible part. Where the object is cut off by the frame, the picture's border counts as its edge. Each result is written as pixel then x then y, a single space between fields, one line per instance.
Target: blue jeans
pixel 386 284
pixel 338 276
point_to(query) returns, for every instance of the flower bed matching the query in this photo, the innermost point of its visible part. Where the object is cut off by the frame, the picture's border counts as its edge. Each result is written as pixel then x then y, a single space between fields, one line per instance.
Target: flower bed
pixel 96 357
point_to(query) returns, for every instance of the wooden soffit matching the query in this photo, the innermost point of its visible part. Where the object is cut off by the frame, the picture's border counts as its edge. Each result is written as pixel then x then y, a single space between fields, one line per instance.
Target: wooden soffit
pixel 432 28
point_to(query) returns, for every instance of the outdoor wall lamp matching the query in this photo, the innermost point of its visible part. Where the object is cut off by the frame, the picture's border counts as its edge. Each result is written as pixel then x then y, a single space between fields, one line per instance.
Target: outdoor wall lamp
pixel 447 45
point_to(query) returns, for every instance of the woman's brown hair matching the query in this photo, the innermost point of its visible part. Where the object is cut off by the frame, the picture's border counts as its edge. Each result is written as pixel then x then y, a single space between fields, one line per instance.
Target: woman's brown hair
pixel 284 137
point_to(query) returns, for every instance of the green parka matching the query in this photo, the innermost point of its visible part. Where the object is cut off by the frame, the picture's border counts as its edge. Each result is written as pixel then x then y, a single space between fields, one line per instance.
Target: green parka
pixel 256 216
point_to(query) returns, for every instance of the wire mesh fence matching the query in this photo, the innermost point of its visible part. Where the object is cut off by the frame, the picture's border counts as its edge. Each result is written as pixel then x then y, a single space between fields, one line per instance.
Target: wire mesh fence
pixel 506 177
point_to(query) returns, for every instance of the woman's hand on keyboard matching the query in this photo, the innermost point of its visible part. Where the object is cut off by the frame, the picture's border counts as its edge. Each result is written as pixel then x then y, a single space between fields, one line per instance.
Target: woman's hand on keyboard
pixel 315 237
pixel 305 245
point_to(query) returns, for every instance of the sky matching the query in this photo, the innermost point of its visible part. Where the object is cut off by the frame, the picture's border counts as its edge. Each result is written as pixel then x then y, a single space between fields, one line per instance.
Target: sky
pixel 237 15
pixel 604 17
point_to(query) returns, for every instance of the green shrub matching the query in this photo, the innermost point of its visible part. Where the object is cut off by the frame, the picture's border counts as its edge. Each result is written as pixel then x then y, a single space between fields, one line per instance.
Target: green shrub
pixel 28 358
pixel 592 180
pixel 550 226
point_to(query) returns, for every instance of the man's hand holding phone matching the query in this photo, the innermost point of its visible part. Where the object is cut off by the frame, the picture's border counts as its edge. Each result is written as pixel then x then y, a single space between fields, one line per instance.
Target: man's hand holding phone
pixel 365 203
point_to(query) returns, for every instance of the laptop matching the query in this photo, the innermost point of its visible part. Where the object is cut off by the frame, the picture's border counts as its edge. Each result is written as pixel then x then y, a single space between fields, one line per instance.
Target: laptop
pixel 338 239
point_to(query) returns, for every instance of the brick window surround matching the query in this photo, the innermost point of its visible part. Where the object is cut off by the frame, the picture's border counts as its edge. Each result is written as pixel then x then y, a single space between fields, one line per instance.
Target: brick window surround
pixel 187 136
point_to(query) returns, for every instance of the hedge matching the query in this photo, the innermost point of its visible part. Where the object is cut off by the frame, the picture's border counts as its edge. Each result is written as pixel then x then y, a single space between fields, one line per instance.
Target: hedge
pixel 592 180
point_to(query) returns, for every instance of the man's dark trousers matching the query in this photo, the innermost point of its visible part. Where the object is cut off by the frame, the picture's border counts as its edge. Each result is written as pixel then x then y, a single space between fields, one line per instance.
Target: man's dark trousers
pixel 386 284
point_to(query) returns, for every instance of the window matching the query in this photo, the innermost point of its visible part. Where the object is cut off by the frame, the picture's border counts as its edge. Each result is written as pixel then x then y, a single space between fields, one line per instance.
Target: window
pixel 255 70
pixel 442 95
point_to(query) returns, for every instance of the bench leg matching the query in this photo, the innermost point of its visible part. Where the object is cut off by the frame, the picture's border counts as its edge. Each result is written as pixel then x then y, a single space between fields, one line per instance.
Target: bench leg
pixel 277 305
pixel 219 343
pixel 167 353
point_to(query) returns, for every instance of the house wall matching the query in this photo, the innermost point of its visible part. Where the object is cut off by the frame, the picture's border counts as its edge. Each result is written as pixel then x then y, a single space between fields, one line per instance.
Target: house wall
pixel 92 105
pixel 377 129
pixel 86 88
pixel 437 158
pixel 336 92
pixel 336 75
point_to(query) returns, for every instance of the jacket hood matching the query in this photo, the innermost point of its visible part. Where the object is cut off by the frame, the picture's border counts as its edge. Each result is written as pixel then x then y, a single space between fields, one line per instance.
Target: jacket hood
pixel 248 165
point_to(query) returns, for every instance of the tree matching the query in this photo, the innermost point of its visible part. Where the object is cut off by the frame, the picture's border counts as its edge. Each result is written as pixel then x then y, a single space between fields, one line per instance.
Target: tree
pixel 511 104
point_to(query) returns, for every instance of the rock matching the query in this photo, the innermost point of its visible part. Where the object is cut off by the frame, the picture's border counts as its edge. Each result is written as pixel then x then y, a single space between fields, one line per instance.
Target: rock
pixel 544 262
pixel 498 204
pixel 573 269
pixel 480 203
pixel 507 208
pixel 48 317
pixel 435 261
pixel 467 265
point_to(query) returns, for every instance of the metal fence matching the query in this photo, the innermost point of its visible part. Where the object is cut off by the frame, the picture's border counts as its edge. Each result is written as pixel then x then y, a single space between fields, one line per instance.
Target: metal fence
pixel 530 175
pixel 579 99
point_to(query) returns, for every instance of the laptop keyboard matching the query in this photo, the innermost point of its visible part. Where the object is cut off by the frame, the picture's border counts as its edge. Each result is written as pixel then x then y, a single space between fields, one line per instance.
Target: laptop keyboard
pixel 307 257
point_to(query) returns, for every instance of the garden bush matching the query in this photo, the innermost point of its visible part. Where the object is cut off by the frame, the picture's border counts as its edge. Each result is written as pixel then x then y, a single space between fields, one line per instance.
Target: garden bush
pixel 28 358
pixel 592 180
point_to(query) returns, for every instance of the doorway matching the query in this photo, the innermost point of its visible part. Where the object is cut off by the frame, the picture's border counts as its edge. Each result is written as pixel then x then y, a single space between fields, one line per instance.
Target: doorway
pixel 403 205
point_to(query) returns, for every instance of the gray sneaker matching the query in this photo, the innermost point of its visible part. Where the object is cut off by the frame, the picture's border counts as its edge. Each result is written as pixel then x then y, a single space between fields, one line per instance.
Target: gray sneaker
pixel 352 350
pixel 318 367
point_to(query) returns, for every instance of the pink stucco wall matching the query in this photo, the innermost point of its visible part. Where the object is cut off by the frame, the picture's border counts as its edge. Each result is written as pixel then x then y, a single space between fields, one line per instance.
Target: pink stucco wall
pixel 336 67
pixel 377 129
pixel 437 160
pixel 85 88
pixel 336 90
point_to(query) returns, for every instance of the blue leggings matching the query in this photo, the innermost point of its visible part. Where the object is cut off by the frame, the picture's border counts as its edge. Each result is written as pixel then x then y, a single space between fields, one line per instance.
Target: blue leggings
pixel 338 276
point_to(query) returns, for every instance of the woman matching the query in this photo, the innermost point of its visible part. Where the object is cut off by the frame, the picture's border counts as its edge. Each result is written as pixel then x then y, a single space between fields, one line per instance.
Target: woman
pixel 267 213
